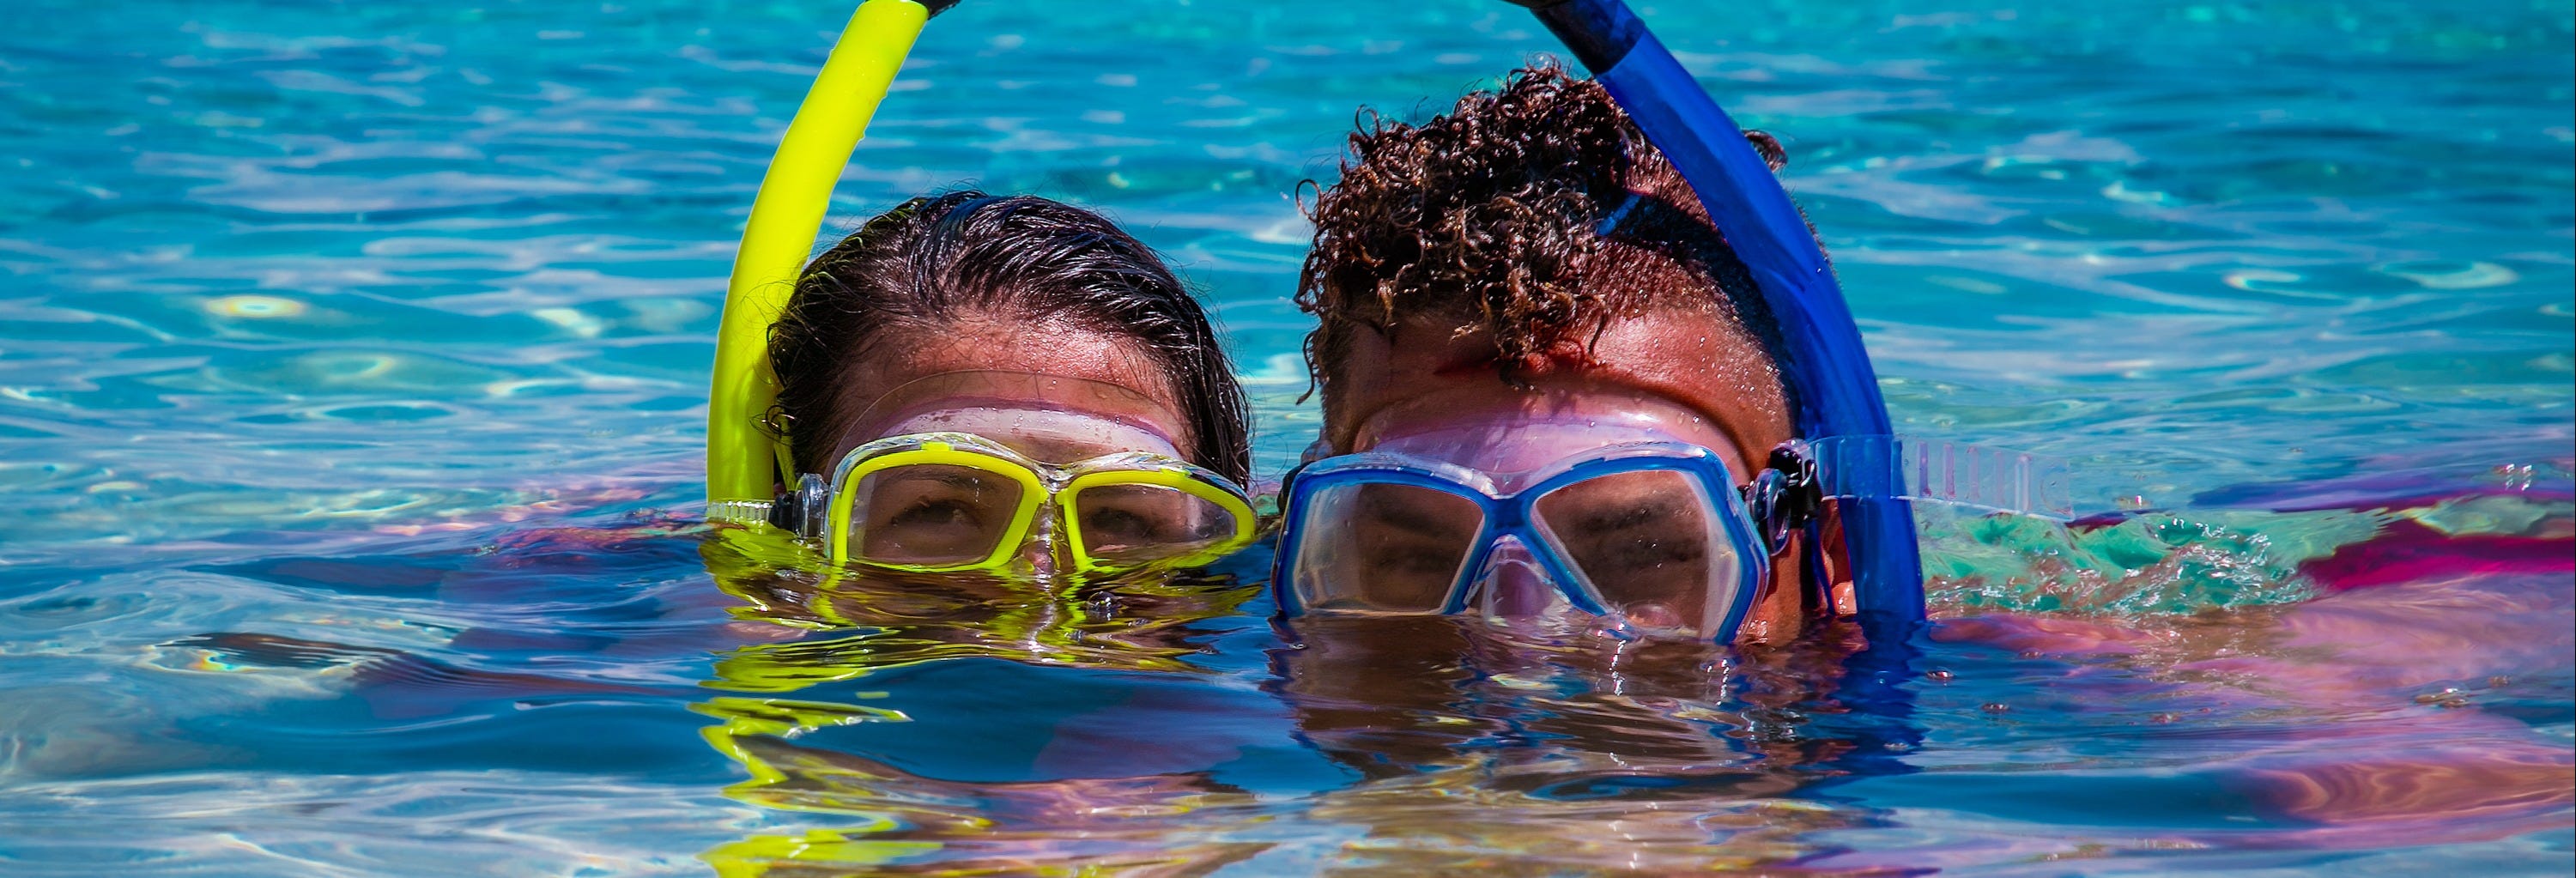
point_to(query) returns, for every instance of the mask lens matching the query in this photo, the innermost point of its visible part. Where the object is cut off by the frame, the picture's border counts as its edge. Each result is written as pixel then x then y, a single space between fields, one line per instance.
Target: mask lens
pixel 1128 525
pixel 931 514
pixel 1383 547
pixel 1649 543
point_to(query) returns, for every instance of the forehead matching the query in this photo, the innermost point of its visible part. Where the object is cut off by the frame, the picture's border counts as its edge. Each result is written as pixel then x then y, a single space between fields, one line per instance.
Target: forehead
pixel 1693 358
pixel 1519 434
pixel 913 372
pixel 1055 431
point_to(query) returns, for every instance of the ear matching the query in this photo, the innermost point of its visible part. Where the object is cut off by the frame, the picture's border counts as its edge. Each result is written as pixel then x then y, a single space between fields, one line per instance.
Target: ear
pixel 1773 153
pixel 1833 590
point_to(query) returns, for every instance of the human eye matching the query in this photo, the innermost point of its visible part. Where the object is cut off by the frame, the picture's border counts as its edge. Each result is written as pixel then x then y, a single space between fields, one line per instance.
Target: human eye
pixel 1125 526
pixel 931 515
pixel 1645 528
pixel 929 512
pixel 1406 569
pixel 1384 547
pixel 1647 549
pixel 1410 559
pixel 1636 535
pixel 1130 523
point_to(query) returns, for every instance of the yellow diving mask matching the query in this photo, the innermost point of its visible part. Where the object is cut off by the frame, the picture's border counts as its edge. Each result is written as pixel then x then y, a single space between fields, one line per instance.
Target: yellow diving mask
pixel 944 502
pixel 956 483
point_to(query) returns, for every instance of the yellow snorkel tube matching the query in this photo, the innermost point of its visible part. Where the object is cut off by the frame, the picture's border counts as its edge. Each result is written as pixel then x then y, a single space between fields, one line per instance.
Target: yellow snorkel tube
pixel 745 461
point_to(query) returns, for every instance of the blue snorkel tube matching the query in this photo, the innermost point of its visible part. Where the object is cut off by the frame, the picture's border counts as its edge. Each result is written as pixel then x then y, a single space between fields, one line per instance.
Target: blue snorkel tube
pixel 1827 371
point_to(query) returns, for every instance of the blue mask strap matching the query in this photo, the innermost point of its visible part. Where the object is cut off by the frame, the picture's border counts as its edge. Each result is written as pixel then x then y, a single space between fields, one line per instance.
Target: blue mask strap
pixel 1828 372
pixel 1972 477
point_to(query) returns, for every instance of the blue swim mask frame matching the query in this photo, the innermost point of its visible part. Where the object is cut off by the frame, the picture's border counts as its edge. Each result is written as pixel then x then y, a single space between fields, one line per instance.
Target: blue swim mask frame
pixel 1748 524
pixel 1743 528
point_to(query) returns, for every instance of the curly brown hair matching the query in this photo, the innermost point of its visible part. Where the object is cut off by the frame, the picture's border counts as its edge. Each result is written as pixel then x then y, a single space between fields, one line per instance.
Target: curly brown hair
pixel 1536 213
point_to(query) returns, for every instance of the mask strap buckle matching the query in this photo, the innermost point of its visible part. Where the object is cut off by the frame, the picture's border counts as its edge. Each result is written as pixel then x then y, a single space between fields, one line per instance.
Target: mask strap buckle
pixel 804 509
pixel 1786 496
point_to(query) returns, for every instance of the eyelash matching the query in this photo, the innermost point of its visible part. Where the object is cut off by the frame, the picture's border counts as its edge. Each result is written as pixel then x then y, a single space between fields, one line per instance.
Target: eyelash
pixel 948 510
pixel 1660 553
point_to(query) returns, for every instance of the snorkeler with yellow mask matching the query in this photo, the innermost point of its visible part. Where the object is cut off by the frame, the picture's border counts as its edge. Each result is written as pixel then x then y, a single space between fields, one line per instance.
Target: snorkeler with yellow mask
pixel 968 383
pixel 1002 385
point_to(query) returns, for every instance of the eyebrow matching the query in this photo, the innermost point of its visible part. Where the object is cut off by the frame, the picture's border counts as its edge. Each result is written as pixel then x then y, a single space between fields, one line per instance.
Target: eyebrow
pixel 1627 516
pixel 943 479
pixel 1380 513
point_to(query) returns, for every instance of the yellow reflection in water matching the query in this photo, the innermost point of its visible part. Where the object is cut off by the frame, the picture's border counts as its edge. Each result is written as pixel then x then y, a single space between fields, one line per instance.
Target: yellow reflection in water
pixel 1636 755
pixel 886 620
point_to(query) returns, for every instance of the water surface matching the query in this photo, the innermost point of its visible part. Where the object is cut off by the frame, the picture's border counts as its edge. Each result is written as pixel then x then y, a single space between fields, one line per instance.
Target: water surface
pixel 352 364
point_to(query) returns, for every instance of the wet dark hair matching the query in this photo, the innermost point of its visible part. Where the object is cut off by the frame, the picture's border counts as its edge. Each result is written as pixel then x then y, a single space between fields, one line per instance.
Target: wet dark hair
pixel 1536 212
pixel 933 260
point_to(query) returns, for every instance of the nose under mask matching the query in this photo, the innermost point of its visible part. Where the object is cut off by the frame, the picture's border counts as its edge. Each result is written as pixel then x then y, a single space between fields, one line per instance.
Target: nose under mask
pixel 1514 585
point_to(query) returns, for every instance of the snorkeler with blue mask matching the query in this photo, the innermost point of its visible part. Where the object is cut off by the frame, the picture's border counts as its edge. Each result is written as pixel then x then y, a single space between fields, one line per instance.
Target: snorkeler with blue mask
pixel 1566 374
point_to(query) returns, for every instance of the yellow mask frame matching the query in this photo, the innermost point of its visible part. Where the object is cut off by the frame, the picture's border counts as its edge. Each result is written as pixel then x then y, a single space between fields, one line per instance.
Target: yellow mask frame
pixel 1041 485
pixel 745 462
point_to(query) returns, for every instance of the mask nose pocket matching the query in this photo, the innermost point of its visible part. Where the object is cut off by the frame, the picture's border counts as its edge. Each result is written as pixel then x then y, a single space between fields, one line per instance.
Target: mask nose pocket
pixel 1514 585
pixel 1041 548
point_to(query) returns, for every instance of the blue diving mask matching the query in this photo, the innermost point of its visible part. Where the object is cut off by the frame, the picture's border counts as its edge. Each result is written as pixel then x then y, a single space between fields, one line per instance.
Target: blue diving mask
pixel 1623 512
pixel 1631 519
pixel 1651 536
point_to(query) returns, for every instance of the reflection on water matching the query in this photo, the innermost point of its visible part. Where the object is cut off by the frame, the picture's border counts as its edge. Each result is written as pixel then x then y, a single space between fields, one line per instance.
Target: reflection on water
pixel 773 721
pixel 1469 740
pixel 351 359
pixel 850 623
pixel 2328 717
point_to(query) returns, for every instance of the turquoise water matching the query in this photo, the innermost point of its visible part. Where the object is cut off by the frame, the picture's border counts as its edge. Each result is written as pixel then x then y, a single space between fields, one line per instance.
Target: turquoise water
pixel 352 363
